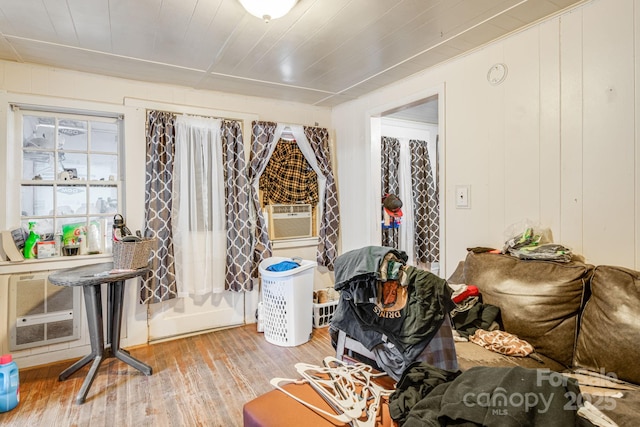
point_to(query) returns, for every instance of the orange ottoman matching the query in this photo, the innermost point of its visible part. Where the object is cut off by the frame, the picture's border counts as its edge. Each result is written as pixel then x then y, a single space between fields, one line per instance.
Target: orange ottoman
pixel 276 409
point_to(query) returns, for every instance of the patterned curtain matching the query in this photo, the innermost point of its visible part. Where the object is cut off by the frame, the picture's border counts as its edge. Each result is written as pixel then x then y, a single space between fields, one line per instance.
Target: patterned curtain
pixel 425 204
pixel 160 284
pixel 262 141
pixel 237 194
pixel 330 222
pixel 390 162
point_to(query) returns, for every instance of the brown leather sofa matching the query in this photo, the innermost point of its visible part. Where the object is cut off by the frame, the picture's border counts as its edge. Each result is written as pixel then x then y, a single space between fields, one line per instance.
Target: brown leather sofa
pixel 539 301
pixel 577 316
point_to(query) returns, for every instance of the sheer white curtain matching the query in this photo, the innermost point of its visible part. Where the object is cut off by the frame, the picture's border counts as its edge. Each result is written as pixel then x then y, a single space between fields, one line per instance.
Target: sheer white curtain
pixel 407 229
pixel 198 211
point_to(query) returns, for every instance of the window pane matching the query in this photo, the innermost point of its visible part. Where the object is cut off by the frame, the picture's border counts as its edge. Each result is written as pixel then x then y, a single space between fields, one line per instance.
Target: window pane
pixel 103 167
pixel 70 177
pixel 36 200
pixel 38 132
pixel 38 165
pixel 74 163
pixel 71 199
pixel 72 134
pixel 104 137
pixel 103 199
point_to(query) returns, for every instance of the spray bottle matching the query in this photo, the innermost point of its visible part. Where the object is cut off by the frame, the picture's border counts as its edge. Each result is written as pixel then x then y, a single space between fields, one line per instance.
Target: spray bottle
pixel 30 245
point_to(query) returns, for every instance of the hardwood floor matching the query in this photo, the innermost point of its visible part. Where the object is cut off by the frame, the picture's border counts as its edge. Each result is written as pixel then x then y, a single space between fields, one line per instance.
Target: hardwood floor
pixel 202 380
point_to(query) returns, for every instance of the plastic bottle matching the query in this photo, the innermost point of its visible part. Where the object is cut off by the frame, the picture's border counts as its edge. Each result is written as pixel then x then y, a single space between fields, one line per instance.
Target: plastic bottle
pixel 58 240
pixel 31 243
pixel 93 239
pixel 82 243
pixel 9 383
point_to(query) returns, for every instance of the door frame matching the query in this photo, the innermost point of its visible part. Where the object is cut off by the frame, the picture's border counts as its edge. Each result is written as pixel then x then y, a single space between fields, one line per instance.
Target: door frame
pixel 373 134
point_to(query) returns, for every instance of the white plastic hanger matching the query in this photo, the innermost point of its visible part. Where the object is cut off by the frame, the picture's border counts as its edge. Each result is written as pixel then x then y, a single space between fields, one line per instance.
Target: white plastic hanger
pixel 347 388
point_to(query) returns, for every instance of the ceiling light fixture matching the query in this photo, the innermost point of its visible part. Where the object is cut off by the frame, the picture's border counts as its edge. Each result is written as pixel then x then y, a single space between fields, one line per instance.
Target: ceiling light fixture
pixel 268 9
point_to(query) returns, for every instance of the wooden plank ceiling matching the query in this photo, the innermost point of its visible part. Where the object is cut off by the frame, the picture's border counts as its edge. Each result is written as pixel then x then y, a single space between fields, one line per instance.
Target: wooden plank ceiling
pixel 324 52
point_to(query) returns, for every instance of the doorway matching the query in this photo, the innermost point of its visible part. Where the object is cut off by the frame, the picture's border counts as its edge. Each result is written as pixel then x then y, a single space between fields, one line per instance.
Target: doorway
pixel 410 124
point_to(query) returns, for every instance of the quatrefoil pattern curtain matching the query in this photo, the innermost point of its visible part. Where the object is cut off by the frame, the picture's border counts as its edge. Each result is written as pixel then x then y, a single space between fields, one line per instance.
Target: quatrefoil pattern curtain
pixel 160 284
pixel 421 222
pixel 390 164
pixel 262 145
pixel 330 221
pixel 426 209
pixel 160 158
pixel 237 195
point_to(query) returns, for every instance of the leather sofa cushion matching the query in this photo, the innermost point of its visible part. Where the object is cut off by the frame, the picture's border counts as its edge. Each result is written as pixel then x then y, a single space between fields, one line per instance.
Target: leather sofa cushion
pixel 610 325
pixel 539 301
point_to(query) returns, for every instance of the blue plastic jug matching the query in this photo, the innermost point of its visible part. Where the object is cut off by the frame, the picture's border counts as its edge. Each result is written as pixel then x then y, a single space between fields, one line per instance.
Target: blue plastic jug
pixel 9 383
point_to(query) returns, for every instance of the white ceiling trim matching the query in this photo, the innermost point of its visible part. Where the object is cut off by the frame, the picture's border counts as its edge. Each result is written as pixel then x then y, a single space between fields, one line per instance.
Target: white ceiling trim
pixel 101 52
pixel 249 79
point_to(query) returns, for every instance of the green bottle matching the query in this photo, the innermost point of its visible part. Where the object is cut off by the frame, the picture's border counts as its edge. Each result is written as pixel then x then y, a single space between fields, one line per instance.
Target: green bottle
pixel 31 242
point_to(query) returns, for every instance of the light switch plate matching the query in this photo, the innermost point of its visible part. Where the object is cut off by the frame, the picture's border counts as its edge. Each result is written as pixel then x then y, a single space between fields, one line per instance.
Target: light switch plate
pixel 462 196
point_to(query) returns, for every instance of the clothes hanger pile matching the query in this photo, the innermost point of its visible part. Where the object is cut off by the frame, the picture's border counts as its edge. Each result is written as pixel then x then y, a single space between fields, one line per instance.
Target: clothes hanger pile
pixel 347 388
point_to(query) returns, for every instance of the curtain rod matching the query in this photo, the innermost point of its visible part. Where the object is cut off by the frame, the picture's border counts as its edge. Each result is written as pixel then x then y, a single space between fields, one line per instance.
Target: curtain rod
pixel 315 125
pixel 192 115
pixel 64 110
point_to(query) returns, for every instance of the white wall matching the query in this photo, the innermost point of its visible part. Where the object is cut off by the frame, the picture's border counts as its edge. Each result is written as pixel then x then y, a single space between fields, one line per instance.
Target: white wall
pixel 555 143
pixel 39 85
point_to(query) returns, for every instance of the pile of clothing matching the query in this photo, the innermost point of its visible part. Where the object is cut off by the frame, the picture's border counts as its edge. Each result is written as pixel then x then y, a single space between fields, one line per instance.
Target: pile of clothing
pixel 392 309
pixel 484 396
pixel 469 313
pixel 535 245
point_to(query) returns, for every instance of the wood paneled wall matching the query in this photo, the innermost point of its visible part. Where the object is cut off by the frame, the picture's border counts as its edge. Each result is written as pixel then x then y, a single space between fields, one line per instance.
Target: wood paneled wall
pixel 555 143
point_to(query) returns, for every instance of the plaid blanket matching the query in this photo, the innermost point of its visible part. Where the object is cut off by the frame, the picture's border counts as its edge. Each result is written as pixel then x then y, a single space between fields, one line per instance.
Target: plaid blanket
pixel 441 350
pixel 288 177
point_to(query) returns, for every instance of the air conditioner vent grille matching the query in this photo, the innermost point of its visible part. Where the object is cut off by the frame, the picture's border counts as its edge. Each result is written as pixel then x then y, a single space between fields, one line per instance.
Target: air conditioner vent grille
pixel 290 221
pixel 290 209
pixel 41 313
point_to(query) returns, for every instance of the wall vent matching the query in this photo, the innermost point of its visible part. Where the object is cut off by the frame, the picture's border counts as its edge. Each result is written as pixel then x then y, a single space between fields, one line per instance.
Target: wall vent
pixel 41 313
pixel 290 221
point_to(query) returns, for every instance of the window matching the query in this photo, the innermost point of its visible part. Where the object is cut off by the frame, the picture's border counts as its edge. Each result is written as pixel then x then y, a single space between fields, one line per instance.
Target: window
pixel 289 191
pixel 70 178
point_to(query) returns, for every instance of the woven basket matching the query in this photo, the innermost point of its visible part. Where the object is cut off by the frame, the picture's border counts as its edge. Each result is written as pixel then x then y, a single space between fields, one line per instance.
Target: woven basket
pixel 132 255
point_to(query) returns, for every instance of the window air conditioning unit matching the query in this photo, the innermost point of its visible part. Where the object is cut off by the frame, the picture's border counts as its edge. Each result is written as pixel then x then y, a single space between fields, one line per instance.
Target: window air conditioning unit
pixel 289 221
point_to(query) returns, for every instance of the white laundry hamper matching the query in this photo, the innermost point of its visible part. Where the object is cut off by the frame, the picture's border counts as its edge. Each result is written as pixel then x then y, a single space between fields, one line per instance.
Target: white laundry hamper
pixel 287 302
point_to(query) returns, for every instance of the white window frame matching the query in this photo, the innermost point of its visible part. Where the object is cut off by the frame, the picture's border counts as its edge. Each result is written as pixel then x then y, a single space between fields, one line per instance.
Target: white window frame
pixel 117 182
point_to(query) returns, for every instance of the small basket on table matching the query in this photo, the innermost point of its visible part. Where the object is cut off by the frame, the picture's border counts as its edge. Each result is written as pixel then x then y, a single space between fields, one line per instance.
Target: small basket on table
pixel 132 255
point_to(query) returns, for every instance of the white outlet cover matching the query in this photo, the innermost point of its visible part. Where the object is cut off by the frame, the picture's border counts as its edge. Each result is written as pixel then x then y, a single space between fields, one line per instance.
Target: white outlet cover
pixel 462 196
